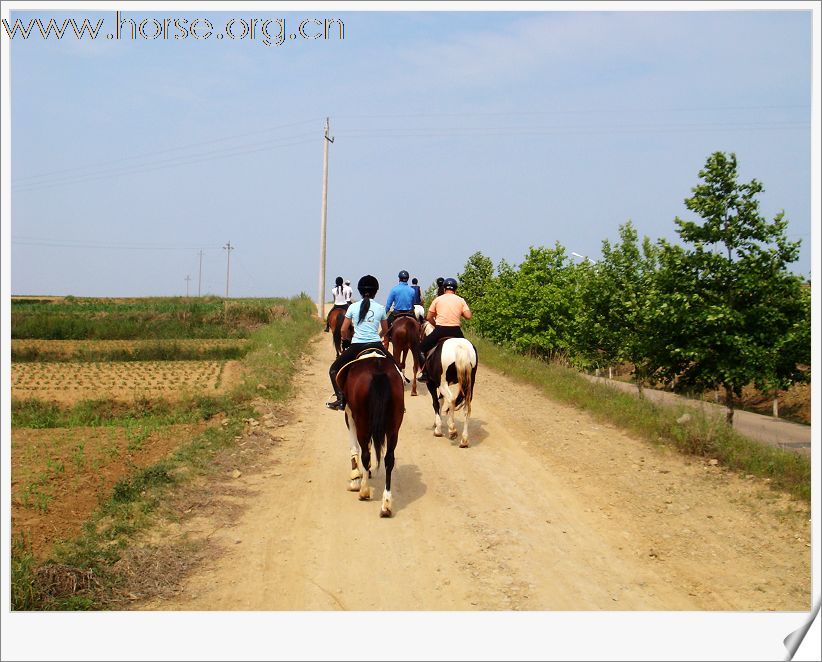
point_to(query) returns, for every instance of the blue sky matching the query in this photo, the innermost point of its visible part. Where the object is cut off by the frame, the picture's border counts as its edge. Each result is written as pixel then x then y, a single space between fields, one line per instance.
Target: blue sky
pixel 454 132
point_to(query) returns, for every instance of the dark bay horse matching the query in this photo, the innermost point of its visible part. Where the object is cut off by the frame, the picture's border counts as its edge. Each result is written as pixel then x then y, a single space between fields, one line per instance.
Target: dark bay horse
pixel 405 336
pixel 335 320
pixel 374 395
pixel 452 371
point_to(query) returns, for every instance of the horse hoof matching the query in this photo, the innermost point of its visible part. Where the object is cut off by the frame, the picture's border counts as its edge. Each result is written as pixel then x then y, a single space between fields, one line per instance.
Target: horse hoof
pixel 464 443
pixel 365 497
pixel 385 512
pixel 413 393
pixel 437 434
pixel 452 435
pixel 354 486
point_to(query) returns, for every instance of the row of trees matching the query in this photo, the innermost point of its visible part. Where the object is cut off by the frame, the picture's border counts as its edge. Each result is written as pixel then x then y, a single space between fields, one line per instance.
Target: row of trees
pixel 720 311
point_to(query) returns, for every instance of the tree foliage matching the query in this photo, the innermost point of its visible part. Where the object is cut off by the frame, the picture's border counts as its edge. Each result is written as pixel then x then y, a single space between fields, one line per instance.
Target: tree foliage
pixel 721 310
pixel 726 299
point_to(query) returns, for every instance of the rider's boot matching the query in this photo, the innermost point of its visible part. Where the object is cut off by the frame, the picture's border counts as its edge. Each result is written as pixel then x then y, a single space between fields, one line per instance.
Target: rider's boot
pixel 423 376
pixel 339 403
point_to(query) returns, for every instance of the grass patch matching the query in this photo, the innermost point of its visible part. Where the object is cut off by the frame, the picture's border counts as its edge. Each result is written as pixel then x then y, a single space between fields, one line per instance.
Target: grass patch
pixel 159 318
pixel 158 351
pixel 82 573
pixel 701 435
pixel 34 413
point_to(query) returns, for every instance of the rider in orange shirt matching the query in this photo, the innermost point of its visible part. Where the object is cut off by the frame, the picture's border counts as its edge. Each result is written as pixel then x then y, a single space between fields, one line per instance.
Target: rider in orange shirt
pixel 446 313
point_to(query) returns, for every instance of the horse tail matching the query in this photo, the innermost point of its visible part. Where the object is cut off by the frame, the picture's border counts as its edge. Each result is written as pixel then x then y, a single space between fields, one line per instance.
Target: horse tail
pixel 379 401
pixel 462 361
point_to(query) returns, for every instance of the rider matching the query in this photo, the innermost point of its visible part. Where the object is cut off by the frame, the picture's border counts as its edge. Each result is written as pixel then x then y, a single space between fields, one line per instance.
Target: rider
pixel 440 286
pixel 340 300
pixel 418 300
pixel 347 291
pixel 448 311
pixel 401 297
pixel 369 321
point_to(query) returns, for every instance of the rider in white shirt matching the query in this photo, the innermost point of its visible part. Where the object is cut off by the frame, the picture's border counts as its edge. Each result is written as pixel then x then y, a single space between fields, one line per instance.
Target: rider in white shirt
pixel 342 299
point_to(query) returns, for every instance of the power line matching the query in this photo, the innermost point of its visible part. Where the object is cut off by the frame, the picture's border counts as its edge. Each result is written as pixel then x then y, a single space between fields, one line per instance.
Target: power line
pixel 578 111
pixel 150 167
pixel 162 151
pixel 71 243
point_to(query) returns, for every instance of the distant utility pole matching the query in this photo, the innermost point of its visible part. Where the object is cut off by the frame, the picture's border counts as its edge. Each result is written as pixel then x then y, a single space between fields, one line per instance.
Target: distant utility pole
pixel 324 215
pixel 228 248
pixel 188 278
pixel 200 277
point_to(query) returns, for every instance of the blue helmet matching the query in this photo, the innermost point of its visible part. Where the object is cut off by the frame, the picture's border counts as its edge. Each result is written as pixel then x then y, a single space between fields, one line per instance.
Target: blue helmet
pixel 403 275
pixel 450 284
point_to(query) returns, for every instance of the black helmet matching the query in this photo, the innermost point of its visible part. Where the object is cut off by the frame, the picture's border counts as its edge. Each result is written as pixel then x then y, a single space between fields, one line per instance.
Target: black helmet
pixel 450 284
pixel 403 275
pixel 413 281
pixel 368 286
pixel 440 281
pixel 339 280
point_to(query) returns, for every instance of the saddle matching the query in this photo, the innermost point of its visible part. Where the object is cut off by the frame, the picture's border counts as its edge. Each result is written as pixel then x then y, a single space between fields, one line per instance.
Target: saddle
pixel 370 353
pixel 432 351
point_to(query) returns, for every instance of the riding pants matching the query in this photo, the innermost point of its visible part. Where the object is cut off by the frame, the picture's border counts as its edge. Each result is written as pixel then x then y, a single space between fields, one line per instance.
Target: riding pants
pixel 430 341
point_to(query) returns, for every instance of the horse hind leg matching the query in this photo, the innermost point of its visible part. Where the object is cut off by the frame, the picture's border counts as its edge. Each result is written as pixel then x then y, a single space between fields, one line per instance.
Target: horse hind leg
pixel 464 441
pixel 452 425
pixel 387 507
pixel 365 459
pixel 356 474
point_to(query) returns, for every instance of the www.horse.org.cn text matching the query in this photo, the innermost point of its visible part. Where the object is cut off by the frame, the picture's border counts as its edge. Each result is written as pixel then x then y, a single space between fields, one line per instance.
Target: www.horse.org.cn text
pixel 268 31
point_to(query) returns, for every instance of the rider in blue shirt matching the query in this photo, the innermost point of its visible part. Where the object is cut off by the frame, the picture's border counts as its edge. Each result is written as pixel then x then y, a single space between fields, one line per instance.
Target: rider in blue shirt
pixel 401 297
pixel 367 318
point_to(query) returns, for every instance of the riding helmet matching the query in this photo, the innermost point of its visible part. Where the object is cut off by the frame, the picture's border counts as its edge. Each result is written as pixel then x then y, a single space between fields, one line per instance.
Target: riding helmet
pixel 368 286
pixel 450 284
pixel 440 281
pixel 339 280
pixel 403 275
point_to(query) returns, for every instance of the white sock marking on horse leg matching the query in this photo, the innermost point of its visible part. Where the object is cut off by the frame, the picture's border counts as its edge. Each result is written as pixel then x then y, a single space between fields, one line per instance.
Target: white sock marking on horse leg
pixel 437 425
pixel 355 474
pixel 365 490
pixel 387 504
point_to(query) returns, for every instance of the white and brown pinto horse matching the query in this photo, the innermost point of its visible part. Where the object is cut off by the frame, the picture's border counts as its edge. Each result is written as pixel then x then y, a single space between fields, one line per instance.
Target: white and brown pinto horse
pixel 452 370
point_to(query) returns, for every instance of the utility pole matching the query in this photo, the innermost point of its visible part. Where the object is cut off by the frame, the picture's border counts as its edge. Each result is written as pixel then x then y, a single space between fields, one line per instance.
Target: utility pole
pixel 188 278
pixel 228 248
pixel 200 277
pixel 324 215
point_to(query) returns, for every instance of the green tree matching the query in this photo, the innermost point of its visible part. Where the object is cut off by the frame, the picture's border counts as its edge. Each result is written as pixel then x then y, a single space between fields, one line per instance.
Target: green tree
pixel 726 299
pixel 531 308
pixel 475 277
pixel 613 303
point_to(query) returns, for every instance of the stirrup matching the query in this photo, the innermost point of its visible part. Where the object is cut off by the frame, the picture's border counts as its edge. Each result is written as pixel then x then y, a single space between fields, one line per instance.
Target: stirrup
pixel 337 405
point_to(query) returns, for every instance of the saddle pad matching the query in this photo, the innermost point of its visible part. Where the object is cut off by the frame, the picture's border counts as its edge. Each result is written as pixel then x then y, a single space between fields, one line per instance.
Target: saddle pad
pixel 365 354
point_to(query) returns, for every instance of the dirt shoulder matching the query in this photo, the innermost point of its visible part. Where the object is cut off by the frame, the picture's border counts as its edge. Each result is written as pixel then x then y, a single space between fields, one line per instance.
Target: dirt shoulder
pixel 547 510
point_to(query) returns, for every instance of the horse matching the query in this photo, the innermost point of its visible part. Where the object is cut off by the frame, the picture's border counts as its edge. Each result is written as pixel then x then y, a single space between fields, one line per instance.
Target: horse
pixel 374 396
pixel 405 336
pixel 452 362
pixel 335 320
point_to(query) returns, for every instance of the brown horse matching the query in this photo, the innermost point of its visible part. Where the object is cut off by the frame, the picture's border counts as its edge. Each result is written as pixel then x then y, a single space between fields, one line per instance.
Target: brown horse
pixel 405 336
pixel 374 396
pixel 335 320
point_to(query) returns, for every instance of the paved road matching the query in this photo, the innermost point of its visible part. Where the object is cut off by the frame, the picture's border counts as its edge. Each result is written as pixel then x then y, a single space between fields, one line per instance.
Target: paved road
pixel 767 429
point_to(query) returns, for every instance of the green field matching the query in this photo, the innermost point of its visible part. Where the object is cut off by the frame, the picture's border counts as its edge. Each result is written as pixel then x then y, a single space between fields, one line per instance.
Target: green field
pixel 88 472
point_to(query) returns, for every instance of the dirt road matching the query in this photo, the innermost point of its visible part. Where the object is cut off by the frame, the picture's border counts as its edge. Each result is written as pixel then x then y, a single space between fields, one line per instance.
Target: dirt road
pixel 547 510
